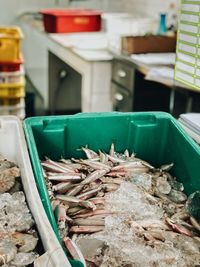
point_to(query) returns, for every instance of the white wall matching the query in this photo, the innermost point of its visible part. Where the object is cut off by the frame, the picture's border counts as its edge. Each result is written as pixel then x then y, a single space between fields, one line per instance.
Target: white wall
pixel 9 9
pixel 145 7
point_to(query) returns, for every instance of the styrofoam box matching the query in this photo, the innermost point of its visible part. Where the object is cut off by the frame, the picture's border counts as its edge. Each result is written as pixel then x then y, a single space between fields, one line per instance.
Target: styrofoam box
pixel 107 19
pixel 130 25
pixel 118 26
pixel 13 147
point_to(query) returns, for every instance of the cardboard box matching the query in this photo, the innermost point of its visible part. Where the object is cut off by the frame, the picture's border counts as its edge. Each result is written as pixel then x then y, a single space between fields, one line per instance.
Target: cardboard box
pixel 148 44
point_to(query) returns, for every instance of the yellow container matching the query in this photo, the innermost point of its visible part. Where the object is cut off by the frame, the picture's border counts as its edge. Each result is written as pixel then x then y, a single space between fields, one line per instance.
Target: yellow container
pixel 13 90
pixel 10 101
pixel 10 43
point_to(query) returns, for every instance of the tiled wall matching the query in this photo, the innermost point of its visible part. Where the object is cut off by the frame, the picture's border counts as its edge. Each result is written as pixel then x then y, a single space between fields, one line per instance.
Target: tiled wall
pixel 146 7
pixel 9 9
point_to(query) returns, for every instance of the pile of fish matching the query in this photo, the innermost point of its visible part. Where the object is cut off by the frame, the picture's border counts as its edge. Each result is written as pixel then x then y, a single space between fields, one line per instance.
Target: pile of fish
pixel 121 211
pixel 18 238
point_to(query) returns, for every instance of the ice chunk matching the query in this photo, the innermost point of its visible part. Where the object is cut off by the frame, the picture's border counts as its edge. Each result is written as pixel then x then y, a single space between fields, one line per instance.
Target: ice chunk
pixel 24 258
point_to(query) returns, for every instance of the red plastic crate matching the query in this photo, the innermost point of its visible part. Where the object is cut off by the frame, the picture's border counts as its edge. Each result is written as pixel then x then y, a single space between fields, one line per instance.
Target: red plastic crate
pixel 11 66
pixel 71 20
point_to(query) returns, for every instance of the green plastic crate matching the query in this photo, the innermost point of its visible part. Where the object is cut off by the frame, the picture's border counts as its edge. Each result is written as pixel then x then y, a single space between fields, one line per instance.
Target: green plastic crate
pixel 154 136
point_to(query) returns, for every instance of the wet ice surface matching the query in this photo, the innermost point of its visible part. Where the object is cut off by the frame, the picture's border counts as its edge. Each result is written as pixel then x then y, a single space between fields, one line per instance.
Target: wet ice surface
pixel 17 236
pixel 15 220
pixel 23 258
pixel 143 180
pixel 14 213
pixel 130 200
pixel 122 243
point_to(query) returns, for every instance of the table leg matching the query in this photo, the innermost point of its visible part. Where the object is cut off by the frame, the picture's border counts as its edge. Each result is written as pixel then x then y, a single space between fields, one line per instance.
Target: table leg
pixel 171 101
pixel 189 104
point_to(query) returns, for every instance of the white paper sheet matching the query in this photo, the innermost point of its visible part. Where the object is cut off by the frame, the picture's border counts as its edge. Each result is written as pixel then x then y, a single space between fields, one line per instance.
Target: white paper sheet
pixel 191 133
pixel 155 58
pixel 163 75
pixel 192 121
pixel 160 72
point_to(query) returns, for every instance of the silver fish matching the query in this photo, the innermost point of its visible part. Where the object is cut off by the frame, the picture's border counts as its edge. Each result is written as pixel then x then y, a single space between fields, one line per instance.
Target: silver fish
pixel 86 229
pixel 89 222
pixel 90 154
pixel 74 250
pixel 89 194
pixel 167 167
pixel 66 178
pixel 58 165
pixel 94 176
pixel 103 157
pixel 112 150
pixel 96 165
pixel 74 191
pixel 62 187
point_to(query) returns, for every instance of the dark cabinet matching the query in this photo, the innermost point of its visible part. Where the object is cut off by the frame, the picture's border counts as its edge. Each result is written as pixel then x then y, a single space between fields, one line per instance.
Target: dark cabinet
pixel 131 92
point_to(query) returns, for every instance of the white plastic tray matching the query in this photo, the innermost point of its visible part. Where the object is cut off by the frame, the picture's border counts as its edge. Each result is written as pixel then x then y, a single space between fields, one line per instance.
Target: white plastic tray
pixel 13 147
pixel 191 123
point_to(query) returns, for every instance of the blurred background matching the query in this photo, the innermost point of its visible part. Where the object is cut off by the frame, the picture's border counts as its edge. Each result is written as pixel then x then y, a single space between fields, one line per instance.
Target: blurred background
pixel 97 56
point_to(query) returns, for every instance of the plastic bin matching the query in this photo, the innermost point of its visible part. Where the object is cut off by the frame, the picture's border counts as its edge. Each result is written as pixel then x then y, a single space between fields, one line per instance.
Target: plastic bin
pixel 11 77
pixel 9 66
pixel 153 136
pixel 10 39
pixel 10 101
pixel 20 104
pixel 13 147
pixel 13 90
pixel 17 110
pixel 71 20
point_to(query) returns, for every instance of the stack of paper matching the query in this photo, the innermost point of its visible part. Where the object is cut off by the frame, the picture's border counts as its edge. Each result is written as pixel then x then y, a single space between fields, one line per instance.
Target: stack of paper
pixel 155 58
pixel 191 123
pixel 162 74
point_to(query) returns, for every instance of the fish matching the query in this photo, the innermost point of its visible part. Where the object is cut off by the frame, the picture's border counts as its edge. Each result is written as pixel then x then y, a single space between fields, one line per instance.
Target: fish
pixel 94 176
pixel 74 200
pixel 89 222
pixel 74 251
pixel 90 154
pixel 66 178
pixel 53 167
pixel 85 198
pixel 62 187
pixel 112 150
pixel 86 229
pixel 75 190
pixel 96 165
pixel 179 228
pixel 89 194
